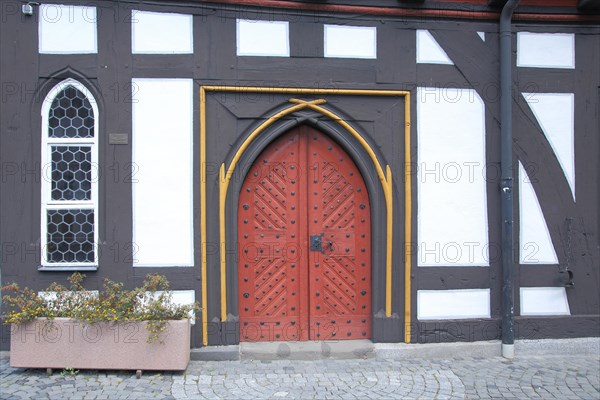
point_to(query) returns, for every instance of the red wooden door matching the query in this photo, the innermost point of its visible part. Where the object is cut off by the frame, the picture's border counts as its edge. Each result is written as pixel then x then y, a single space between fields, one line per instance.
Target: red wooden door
pixel 304 266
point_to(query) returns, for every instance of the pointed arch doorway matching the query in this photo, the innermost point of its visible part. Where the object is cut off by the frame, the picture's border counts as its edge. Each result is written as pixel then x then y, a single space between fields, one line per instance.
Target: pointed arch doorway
pixel 304 243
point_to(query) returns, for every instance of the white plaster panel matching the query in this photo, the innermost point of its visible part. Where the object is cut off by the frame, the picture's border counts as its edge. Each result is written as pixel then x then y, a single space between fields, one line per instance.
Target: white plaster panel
pixel 555 112
pixel 350 41
pixel 162 143
pixel 453 304
pixel 534 238
pixel 50 295
pixel 67 29
pixel 546 50
pixel 452 200
pixel 429 51
pixel 263 38
pixel 544 301
pixel 181 298
pixel 161 33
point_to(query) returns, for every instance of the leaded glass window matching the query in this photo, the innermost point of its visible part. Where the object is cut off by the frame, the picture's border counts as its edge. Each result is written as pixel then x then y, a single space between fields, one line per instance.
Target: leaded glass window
pixel 69 187
pixel 71 172
pixel 71 115
pixel 70 236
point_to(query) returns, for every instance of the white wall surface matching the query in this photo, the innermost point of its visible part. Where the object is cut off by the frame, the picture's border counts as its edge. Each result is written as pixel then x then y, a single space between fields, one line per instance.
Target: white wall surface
pixel 555 112
pixel 453 304
pixel 163 221
pixel 544 301
pixel 452 200
pixel 67 29
pixel 546 50
pixel 50 295
pixel 161 33
pixel 429 51
pixel 350 41
pixel 534 238
pixel 181 298
pixel 263 38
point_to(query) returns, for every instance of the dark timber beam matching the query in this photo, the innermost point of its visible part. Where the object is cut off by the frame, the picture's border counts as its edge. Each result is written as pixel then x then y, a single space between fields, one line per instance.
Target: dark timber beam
pixel 588 5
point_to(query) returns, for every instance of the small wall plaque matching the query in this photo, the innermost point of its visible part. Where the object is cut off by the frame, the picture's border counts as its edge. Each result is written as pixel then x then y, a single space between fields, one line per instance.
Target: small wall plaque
pixel 118 138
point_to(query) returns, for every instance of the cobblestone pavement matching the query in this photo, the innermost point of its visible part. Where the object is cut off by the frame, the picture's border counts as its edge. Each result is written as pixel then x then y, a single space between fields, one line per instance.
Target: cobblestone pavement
pixel 548 377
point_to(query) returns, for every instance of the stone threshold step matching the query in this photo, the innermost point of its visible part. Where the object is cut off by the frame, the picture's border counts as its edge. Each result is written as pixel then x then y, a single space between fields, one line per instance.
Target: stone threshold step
pixel 309 350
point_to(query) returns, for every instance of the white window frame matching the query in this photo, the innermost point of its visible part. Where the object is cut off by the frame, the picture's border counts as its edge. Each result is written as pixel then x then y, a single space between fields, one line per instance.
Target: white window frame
pixel 46 182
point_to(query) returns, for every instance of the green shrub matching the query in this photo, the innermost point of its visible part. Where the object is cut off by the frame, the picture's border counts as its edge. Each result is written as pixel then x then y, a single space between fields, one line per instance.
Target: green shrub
pixel 152 302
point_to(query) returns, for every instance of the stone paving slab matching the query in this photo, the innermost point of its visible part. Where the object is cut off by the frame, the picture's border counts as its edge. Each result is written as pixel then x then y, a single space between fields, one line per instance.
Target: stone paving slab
pixel 531 377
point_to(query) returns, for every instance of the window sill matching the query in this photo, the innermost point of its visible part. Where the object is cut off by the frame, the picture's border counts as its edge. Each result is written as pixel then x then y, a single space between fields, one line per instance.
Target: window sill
pixel 46 268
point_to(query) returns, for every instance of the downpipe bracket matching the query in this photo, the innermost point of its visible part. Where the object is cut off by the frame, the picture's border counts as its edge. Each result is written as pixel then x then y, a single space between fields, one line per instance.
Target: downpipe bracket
pixel 506 184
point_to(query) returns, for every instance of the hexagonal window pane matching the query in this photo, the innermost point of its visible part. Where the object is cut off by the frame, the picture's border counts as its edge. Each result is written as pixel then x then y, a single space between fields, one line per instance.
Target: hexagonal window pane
pixel 53 123
pixel 63 102
pixel 77 122
pixel 71 112
pixel 64 123
pixel 67 105
pixel 77 102
pixel 58 112
pixel 83 113
pixel 67 240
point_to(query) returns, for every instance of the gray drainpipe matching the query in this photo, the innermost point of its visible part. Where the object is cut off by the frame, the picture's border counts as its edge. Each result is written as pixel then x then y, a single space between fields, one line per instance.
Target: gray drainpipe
pixel 506 184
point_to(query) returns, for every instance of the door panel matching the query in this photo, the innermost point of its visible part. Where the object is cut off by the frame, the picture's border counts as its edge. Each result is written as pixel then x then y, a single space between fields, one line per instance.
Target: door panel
pixel 269 272
pixel 304 185
pixel 340 278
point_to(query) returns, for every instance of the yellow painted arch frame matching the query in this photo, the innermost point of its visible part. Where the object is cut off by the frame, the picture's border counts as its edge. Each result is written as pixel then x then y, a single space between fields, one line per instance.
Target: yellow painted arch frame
pixel 384 177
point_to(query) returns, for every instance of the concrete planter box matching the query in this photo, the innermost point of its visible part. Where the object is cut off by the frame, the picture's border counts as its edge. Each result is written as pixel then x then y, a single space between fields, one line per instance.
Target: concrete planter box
pixel 66 343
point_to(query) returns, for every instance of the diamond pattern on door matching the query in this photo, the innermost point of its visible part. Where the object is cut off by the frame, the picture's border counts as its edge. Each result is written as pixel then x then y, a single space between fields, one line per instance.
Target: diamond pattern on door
pixel 304 268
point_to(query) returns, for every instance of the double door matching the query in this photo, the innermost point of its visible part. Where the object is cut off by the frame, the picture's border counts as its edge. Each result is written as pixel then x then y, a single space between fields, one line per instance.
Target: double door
pixel 304 243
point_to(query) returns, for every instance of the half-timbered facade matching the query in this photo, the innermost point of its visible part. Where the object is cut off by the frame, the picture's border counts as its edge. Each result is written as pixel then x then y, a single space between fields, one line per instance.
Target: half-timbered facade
pixel 309 170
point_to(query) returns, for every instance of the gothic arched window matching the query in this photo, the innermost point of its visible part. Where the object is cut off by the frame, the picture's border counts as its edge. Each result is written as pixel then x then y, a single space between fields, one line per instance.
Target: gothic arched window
pixel 69 231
